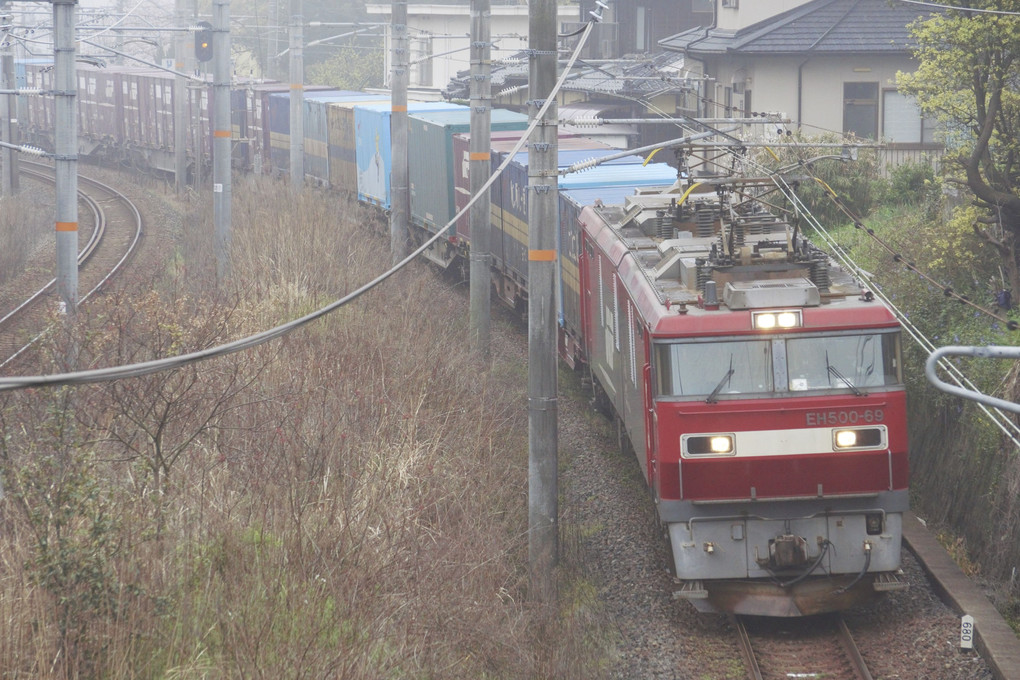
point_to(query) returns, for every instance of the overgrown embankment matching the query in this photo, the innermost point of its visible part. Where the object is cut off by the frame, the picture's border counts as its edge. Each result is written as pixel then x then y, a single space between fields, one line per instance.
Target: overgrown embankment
pixel 348 501
pixel 965 470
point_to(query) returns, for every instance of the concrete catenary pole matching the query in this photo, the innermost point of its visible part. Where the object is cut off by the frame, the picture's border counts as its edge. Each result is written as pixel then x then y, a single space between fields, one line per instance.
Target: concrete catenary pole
pixel 195 117
pixel 400 194
pixel 297 96
pixel 543 508
pixel 272 62
pixel 221 136
pixel 181 48
pixel 65 158
pixel 7 106
pixel 480 168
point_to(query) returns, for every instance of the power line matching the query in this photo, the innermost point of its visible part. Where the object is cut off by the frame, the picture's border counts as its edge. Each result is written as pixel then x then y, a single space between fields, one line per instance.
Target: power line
pixel 1004 422
pixel 169 363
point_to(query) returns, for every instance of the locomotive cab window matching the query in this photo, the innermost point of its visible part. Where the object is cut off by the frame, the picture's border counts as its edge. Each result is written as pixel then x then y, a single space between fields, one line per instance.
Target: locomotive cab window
pixel 843 362
pixel 714 368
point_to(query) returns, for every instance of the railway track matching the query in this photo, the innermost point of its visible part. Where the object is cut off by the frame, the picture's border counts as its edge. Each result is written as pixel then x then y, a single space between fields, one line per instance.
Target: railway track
pixel 112 228
pixel 812 647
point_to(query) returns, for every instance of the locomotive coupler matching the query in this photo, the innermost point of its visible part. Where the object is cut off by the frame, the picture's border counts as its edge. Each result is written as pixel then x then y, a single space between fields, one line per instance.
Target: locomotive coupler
pixel 787 551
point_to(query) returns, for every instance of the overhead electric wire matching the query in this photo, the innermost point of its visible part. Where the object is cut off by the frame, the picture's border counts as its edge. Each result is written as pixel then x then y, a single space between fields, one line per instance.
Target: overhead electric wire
pixel 897 257
pixel 168 363
pixel 1001 420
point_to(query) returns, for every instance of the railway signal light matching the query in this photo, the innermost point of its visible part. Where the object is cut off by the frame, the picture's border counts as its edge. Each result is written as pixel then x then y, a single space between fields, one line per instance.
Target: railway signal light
pixel 203 41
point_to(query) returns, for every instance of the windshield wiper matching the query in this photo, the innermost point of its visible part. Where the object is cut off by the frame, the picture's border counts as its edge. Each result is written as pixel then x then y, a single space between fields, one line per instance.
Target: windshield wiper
pixel 714 397
pixel 835 371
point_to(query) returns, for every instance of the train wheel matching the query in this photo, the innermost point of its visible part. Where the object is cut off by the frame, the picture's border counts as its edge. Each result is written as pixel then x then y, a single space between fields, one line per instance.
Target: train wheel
pixel 600 400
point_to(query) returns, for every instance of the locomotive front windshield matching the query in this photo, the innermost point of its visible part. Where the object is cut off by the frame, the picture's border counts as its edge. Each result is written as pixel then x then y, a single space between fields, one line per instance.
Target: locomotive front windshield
pixel 852 361
pixel 697 369
pixel 715 368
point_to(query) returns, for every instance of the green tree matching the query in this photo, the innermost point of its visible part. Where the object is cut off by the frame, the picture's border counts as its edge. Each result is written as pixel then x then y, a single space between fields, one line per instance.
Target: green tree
pixel 968 79
pixel 264 27
pixel 350 69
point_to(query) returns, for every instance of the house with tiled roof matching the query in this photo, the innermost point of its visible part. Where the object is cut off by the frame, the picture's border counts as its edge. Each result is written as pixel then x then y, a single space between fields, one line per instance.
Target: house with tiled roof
pixel 439 32
pixel 826 65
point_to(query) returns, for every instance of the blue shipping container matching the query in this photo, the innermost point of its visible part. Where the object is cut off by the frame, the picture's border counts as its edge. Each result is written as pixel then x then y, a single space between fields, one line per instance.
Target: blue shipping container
pixel 373 150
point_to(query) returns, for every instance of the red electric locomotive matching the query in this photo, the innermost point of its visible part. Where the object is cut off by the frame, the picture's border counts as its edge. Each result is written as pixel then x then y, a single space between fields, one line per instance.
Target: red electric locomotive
pixel 761 389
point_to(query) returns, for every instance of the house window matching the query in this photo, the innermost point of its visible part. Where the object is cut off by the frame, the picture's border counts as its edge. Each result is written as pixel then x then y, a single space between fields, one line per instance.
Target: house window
pixel 643 27
pixel 860 109
pixel 730 3
pixel 421 61
pixel 902 121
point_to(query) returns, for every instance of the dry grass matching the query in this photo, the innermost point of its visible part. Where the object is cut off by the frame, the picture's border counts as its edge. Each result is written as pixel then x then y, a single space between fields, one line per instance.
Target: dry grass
pixel 347 502
pixel 22 230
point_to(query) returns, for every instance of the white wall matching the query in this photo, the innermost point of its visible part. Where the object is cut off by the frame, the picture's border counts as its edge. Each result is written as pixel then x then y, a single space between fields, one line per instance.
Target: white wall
pixel 749 12
pixel 509 30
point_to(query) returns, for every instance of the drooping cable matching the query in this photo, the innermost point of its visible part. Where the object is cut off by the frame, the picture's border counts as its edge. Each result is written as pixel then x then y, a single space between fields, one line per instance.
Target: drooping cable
pixel 1000 419
pixel 156 365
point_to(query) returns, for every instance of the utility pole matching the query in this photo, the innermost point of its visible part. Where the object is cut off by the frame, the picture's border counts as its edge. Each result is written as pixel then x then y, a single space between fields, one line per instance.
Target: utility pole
pixel 65 158
pixel 400 203
pixel 480 168
pixel 7 103
pixel 195 119
pixel 297 99
pixel 274 39
pixel 543 508
pixel 221 137
pixel 180 98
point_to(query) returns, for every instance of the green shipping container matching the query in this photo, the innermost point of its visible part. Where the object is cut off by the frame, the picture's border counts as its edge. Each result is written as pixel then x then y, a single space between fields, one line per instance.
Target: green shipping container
pixel 431 173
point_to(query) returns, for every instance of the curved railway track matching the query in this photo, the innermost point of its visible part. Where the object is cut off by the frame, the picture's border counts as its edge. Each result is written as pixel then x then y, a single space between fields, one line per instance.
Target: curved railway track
pixel 812 647
pixel 112 227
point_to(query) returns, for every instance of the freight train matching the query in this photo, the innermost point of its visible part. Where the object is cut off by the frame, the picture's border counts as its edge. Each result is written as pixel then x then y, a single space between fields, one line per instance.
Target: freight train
pixel 759 385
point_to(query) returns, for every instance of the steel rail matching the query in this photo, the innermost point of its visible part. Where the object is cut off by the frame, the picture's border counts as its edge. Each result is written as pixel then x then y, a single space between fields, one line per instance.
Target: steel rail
pixel 850 647
pixel 87 251
pixel 746 651
pixel 838 632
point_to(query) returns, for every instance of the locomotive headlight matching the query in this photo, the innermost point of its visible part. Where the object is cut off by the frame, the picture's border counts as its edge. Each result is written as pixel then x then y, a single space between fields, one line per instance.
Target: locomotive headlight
pixel 846 439
pixel 788 319
pixel 721 444
pixel 859 438
pixel 708 444
pixel 766 321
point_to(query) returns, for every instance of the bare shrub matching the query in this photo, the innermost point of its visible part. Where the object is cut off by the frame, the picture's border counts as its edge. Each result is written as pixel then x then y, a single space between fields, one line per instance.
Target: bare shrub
pixel 22 228
pixel 61 544
pixel 348 501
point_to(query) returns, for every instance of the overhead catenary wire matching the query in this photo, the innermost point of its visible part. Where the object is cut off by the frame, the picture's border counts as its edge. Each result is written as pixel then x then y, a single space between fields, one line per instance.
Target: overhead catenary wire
pixel 1001 420
pixel 169 363
pixel 1005 424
